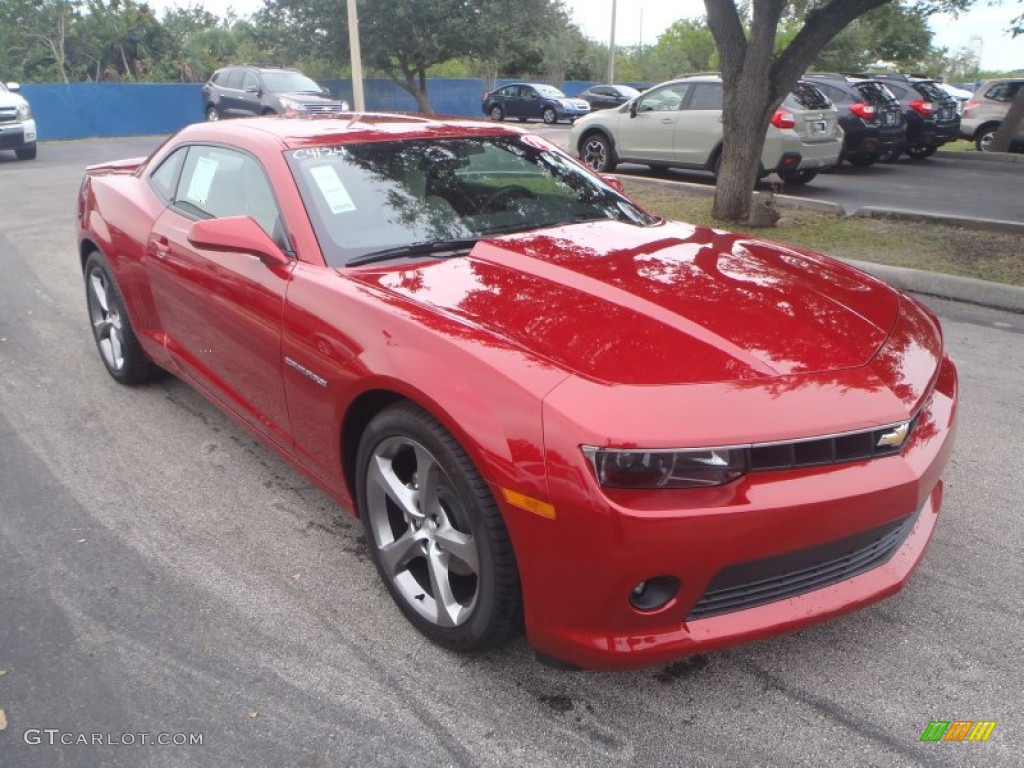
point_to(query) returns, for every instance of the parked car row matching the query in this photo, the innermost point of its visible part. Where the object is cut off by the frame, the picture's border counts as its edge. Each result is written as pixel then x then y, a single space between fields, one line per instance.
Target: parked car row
pixel 828 118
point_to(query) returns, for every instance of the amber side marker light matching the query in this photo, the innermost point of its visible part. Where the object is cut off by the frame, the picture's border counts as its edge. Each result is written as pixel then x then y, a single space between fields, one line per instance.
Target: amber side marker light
pixel 528 503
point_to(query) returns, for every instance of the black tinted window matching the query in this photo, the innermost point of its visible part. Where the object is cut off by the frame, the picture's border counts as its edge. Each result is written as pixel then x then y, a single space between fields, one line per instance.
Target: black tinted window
pixel 165 177
pixel 809 97
pixel 706 96
pixel 1003 91
pixel 874 93
pixel 931 92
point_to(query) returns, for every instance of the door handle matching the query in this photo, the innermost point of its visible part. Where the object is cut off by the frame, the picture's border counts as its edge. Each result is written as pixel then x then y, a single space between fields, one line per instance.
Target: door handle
pixel 161 247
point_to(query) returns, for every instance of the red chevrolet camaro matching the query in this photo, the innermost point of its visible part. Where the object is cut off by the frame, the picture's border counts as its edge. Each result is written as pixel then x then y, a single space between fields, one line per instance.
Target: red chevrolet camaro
pixel 638 439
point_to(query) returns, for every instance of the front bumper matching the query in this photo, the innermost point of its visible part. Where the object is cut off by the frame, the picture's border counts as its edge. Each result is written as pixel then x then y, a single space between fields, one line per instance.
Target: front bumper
pixel 580 569
pixel 17 135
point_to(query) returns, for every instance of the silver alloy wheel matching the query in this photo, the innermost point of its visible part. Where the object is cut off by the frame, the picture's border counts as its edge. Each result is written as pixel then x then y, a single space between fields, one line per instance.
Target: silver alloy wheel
pixel 595 153
pixel 212 115
pixel 497 113
pixel 550 116
pixel 106 321
pixel 421 533
pixel 985 141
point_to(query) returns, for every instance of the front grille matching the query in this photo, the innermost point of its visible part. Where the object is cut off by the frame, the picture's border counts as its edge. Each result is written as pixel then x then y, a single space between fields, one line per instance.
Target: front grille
pixel 775 578
pixel 324 109
pixel 8 114
pixel 831 449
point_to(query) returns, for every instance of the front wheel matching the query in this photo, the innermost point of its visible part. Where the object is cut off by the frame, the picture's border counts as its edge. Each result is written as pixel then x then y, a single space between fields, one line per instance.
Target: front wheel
pixel 26 153
pixel 797 177
pixel 597 153
pixel 921 151
pixel 212 115
pixel 115 339
pixel 549 116
pixel 435 532
pixel 497 113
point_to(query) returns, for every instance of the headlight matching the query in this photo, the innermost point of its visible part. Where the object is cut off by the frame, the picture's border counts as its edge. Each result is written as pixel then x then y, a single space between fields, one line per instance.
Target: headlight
pixel 24 111
pixel 290 105
pixel 685 468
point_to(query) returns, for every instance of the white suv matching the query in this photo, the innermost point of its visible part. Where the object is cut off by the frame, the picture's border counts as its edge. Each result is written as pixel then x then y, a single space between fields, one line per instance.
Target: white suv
pixel 678 124
pixel 17 128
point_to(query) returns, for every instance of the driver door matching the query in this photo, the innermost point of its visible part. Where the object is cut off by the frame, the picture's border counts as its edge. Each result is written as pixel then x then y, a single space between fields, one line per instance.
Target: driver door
pixel 221 312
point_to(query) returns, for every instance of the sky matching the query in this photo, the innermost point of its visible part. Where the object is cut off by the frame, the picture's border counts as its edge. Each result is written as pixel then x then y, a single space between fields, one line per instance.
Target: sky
pixel 641 21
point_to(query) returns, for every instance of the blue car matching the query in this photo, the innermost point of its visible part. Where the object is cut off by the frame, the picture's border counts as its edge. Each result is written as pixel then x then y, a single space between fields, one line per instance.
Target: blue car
pixel 533 100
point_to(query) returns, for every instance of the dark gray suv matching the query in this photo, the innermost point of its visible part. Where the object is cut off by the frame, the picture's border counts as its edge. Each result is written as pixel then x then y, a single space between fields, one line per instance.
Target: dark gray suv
pixel 255 89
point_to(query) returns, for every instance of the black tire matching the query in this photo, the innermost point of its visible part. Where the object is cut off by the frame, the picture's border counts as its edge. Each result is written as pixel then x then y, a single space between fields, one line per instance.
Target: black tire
pixel 921 151
pixel 985 136
pixel 496 113
pixel 596 152
pixel 27 153
pixel 863 161
pixel 212 114
pixel 418 548
pixel 549 115
pixel 798 177
pixel 112 331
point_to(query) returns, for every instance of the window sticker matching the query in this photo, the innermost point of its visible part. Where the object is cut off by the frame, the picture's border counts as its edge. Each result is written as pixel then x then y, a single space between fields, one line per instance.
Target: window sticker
pixel 202 179
pixel 334 192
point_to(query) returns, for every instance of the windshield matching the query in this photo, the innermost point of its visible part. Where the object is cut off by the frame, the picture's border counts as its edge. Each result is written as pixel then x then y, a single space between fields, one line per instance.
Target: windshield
pixel 289 82
pixel 376 196
pixel 550 92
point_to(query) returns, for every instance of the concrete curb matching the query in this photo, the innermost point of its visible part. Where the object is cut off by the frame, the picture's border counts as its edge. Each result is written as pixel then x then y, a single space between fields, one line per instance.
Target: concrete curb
pixel 988 157
pixel 967 289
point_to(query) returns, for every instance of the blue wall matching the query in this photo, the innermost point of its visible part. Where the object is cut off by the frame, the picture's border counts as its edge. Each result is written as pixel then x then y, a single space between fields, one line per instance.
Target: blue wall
pixel 83 110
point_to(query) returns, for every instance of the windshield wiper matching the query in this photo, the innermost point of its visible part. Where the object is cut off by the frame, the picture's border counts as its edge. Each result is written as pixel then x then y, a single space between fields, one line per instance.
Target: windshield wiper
pixel 413 249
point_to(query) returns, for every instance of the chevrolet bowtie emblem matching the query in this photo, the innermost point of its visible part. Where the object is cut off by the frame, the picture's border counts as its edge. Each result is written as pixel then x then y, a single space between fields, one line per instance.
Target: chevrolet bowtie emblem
pixel 895 437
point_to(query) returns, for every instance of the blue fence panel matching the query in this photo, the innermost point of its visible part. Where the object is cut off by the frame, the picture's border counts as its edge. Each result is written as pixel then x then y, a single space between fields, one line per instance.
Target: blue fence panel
pixel 82 110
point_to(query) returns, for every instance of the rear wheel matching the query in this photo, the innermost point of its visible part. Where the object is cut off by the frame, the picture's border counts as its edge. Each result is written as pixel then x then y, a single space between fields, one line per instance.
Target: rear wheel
pixel 435 532
pixel 549 115
pixel 797 177
pixel 921 151
pixel 497 113
pixel 985 136
pixel 212 115
pixel 111 329
pixel 597 153
pixel 892 155
pixel 26 153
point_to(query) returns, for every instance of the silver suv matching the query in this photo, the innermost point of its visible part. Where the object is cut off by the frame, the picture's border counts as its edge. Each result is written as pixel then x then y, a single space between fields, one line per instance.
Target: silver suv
pixel 678 124
pixel 984 113
pixel 17 128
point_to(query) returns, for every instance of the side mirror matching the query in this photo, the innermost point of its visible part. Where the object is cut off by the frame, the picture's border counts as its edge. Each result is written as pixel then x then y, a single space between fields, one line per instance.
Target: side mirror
pixel 632 108
pixel 237 234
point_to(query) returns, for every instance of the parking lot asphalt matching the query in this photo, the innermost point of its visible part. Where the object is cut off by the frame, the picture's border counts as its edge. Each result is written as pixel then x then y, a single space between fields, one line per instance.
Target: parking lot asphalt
pixel 161 572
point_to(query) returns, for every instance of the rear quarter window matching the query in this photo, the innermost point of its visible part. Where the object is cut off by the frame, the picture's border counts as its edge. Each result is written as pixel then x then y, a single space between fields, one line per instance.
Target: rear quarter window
pixel 706 96
pixel 875 93
pixel 1003 91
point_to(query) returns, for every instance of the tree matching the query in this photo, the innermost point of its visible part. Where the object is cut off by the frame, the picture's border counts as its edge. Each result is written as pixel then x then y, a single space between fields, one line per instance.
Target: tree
pixel 757 78
pixel 1008 130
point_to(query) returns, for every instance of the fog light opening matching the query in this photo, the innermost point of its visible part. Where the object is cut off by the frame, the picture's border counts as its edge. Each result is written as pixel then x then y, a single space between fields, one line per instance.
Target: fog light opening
pixel 652 594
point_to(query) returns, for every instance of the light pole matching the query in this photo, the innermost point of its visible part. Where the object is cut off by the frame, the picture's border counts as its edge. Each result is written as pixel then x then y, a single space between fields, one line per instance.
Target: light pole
pixel 357 59
pixel 611 48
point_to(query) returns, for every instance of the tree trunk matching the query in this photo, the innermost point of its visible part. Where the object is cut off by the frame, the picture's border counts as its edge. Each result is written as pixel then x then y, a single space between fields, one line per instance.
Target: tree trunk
pixel 1011 124
pixel 745 120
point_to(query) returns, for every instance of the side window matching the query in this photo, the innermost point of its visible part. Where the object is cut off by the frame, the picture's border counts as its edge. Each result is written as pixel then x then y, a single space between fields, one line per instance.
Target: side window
pixel 666 99
pixel 706 96
pixel 218 182
pixel 218 77
pixel 233 79
pixel 249 81
pixel 165 177
pixel 1003 91
pixel 898 91
pixel 510 92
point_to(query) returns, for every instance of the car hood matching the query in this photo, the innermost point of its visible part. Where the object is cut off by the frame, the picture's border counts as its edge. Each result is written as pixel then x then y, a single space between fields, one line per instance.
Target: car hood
pixel 8 99
pixel 658 305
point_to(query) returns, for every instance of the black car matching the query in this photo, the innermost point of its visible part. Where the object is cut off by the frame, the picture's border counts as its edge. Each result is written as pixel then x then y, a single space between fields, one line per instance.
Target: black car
pixel 250 89
pixel 931 114
pixel 608 96
pixel 869 113
pixel 525 100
